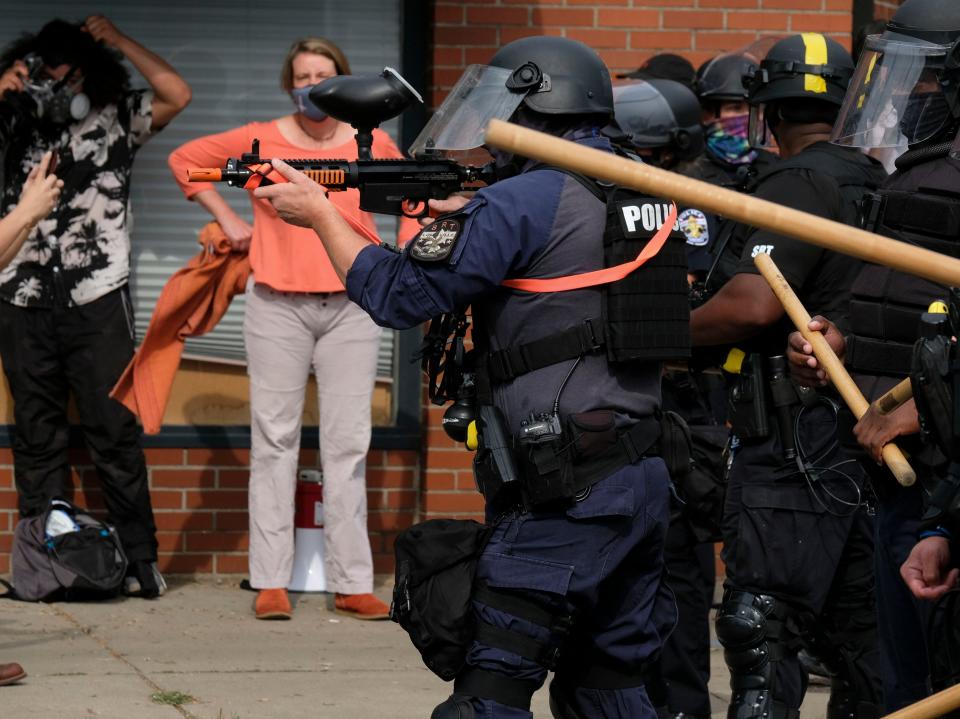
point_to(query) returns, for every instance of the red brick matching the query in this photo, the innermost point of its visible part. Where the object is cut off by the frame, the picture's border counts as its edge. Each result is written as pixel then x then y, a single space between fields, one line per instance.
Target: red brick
pixel 400 499
pixel 399 458
pixel 453 502
pixel 391 478
pixel 161 456
pixel 4 563
pixel 468 36
pixel 166 499
pixel 217 541
pixel 477 55
pixel 206 457
pixel 5 521
pixel 692 19
pixel 182 478
pixel 448 56
pixel 822 22
pixel 622 3
pixel 439 480
pixel 183 521
pixel 6 455
pixel 185 563
pixel 624 60
pixel 216 499
pixel 232 564
pixel 170 541
pixel 449 458
pixel 599 38
pixel 235 521
pixel 723 41
pixel 757 20
pixel 562 16
pixel 231 478
pixel 750 4
pixel 448 14
pixel 507 34
pixel 792 4
pixel 6 477
pixel 662 40
pixel 384 563
pixel 633 19
pixel 497 15
pixel 389 521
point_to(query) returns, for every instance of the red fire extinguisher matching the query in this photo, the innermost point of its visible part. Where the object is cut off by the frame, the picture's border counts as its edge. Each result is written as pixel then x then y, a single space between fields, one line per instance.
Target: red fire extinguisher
pixel 308 569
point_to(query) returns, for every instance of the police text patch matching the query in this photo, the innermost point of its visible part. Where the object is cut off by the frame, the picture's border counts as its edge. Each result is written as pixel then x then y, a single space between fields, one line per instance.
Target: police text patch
pixel 693 225
pixel 643 219
pixel 436 241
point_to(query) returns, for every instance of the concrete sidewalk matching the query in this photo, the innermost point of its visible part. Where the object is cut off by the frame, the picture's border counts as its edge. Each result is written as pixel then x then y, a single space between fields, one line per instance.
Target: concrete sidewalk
pixel 108 659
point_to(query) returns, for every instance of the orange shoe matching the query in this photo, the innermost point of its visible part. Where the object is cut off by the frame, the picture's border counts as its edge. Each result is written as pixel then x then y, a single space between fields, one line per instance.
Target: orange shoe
pixel 273 604
pixel 360 606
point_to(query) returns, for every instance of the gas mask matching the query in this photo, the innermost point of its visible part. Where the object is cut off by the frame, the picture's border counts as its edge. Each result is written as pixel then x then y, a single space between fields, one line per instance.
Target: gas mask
pixel 53 100
pixel 301 98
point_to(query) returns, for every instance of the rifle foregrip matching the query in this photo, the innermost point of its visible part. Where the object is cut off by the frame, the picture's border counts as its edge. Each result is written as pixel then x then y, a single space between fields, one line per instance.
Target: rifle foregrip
pixel 205 174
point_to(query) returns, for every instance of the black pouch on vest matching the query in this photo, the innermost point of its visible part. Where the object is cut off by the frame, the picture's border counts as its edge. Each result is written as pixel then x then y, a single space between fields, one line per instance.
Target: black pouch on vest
pixel 591 434
pixel 749 401
pixel 703 488
pixel 436 563
pixel 675 444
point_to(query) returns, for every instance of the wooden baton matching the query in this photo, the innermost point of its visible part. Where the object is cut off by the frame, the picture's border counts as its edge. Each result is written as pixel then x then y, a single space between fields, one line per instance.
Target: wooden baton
pixel 934 706
pixel 892 456
pixel 737 206
pixel 895 398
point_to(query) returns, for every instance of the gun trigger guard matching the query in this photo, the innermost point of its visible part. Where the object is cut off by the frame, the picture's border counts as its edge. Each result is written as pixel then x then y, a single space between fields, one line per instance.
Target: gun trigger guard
pixel 409 208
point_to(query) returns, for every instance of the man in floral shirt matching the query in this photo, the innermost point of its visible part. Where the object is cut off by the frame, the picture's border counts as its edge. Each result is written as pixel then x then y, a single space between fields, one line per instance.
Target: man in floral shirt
pixel 66 323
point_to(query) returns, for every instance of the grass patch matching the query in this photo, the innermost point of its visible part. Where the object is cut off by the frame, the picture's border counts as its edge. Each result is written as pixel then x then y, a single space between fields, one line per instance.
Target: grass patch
pixel 174 699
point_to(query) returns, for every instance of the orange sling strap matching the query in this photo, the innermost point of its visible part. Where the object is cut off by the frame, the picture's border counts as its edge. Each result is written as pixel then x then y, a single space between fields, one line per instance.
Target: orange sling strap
pixel 604 276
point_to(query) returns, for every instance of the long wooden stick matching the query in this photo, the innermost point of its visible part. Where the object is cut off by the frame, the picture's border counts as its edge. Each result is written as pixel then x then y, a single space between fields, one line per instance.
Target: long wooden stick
pixel 892 456
pixel 737 206
pixel 936 705
pixel 895 398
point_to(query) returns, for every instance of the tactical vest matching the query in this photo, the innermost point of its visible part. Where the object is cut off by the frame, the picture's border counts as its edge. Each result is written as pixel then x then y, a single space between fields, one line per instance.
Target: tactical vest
pixel 921 206
pixel 645 315
pixel 853 180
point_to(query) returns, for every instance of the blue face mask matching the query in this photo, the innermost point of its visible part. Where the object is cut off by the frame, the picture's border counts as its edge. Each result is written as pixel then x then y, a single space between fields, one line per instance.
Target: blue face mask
pixel 301 98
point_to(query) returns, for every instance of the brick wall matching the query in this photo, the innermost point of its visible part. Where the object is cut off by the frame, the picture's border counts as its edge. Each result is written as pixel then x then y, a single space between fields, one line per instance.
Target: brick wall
pixel 624 32
pixel 884 9
pixel 200 504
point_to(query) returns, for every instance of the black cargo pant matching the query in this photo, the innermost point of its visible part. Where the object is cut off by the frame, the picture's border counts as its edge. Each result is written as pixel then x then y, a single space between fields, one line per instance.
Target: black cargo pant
pixel 793 541
pixel 49 353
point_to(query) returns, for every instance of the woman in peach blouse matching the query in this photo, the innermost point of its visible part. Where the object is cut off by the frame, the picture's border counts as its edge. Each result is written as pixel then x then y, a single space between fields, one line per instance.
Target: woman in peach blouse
pixel 298 316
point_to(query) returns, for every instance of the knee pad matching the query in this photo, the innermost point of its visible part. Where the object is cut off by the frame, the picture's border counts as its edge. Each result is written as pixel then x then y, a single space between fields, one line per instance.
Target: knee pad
pixel 749 628
pixel 457 706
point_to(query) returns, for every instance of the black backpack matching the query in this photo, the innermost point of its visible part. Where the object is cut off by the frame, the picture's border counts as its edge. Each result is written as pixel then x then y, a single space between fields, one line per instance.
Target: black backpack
pixel 86 563
pixel 436 562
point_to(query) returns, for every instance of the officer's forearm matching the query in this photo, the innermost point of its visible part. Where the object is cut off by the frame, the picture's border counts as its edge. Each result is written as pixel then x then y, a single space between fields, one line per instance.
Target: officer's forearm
pixel 740 309
pixel 339 240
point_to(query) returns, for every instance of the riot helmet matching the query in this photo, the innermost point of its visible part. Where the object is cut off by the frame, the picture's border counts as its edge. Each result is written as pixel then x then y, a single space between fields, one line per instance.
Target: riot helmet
pixel 802 79
pixel 905 88
pixel 720 79
pixel 550 76
pixel 665 66
pixel 659 115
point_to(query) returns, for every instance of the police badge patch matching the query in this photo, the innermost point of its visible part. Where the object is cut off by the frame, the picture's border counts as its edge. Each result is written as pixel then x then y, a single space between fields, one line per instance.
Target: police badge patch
pixel 436 241
pixel 693 224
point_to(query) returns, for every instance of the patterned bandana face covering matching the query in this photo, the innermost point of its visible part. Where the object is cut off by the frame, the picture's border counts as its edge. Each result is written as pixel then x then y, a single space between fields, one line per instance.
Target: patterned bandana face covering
pixel 727 140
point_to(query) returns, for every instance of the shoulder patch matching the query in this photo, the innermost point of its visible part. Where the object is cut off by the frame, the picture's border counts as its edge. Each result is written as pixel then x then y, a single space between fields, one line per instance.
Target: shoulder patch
pixel 436 241
pixel 694 226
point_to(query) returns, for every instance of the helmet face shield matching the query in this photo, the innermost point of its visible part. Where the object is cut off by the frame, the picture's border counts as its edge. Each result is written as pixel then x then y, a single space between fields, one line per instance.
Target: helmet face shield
pixel 459 124
pixel 895 97
pixel 758 133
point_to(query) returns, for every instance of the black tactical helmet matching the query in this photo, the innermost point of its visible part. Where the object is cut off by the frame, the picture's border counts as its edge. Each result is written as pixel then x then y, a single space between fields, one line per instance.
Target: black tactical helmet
pixel 660 114
pixel 721 78
pixel 809 65
pixel 565 76
pixel 934 21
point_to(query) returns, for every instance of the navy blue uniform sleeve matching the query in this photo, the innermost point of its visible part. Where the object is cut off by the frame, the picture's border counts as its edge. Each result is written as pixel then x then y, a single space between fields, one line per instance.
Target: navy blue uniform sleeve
pixel 795 259
pixel 504 228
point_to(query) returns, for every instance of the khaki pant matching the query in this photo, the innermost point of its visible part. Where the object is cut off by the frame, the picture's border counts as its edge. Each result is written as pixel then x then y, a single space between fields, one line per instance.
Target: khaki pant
pixel 286 333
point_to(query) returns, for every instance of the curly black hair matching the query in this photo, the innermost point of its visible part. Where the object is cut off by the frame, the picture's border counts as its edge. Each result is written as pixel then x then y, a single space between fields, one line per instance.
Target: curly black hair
pixel 105 79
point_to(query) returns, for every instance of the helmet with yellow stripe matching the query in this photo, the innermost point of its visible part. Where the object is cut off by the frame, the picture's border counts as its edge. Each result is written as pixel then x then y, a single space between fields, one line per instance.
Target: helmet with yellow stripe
pixel 802 79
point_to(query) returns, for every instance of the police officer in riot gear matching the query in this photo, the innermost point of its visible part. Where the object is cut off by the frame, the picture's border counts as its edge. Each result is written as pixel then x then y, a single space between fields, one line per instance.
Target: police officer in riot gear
pixel 797 541
pixel 904 91
pixel 660 120
pixel 570 577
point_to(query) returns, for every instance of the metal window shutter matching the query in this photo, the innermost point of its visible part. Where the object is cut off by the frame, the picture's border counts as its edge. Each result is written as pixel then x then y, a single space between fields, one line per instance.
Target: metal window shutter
pixel 230 52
